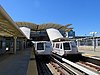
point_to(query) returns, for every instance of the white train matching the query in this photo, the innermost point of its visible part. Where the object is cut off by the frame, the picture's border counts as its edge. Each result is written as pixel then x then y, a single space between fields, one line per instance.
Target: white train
pixel 62 47
pixel 43 48
pixel 65 48
pixel 57 44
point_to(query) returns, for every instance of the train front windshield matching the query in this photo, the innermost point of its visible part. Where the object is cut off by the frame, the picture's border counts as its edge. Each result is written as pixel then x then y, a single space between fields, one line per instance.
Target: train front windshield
pixel 40 46
pixel 66 46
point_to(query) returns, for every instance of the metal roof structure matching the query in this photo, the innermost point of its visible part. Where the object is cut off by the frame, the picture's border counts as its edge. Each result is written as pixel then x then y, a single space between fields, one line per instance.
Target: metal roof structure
pixel 8 27
pixel 28 25
pixel 35 27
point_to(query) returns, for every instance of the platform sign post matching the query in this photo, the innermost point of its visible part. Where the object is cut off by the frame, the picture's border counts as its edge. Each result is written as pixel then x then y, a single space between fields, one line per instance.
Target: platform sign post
pixel 15 38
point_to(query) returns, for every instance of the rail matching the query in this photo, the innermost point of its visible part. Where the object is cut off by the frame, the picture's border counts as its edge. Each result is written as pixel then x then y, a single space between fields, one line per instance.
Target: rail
pixel 83 69
pixel 42 67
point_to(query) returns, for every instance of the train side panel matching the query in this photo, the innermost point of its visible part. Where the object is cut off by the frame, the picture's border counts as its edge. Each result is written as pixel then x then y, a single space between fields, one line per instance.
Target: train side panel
pixel 72 49
pixel 65 48
pixel 43 48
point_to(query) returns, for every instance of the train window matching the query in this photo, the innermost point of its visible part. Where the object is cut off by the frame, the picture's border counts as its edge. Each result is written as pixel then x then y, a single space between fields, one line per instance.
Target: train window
pixel 61 46
pixel 57 45
pixel 66 46
pixel 40 46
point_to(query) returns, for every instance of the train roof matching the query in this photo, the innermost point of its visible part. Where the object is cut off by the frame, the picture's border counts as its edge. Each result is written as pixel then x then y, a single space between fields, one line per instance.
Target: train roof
pixel 39 41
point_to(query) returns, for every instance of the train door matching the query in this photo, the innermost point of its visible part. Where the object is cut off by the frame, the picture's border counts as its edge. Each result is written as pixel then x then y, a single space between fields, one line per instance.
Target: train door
pixel 61 51
pixel 57 48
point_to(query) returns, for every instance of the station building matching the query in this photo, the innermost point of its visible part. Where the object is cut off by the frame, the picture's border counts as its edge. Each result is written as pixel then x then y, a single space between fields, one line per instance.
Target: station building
pixel 38 32
pixel 12 37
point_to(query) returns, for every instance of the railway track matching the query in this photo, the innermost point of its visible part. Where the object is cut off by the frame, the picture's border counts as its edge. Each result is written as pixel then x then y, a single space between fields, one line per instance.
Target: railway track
pixel 89 65
pixel 93 60
pixel 42 67
pixel 64 68
pixel 56 65
pixel 77 68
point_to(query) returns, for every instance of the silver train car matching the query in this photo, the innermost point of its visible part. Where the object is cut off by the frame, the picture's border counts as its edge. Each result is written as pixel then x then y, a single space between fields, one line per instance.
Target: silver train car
pixel 65 48
pixel 62 46
pixel 43 48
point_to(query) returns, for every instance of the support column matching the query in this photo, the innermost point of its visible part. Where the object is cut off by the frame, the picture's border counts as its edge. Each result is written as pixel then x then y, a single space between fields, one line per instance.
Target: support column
pixel 22 44
pixel 15 38
pixel 25 43
pixel 78 43
pixel 92 42
pixel 96 42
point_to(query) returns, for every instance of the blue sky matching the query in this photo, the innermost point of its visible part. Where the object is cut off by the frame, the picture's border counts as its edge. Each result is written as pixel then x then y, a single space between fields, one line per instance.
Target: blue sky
pixel 84 15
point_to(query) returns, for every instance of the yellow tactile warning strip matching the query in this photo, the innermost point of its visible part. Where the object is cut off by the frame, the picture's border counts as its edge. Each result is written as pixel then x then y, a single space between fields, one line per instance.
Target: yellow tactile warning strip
pixel 88 55
pixel 91 56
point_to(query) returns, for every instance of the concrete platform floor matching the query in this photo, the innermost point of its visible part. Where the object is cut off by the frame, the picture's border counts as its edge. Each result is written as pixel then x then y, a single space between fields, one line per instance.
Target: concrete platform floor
pixel 17 64
pixel 91 52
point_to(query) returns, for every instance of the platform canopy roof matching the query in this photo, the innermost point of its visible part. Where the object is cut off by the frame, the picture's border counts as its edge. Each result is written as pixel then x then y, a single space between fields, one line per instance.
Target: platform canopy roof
pixel 8 27
pixel 36 27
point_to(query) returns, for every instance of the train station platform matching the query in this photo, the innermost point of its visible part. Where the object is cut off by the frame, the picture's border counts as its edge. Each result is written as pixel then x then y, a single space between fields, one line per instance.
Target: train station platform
pixel 90 53
pixel 19 63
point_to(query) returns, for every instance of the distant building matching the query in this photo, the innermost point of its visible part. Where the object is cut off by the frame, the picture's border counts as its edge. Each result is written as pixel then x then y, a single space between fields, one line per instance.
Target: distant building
pixel 70 34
